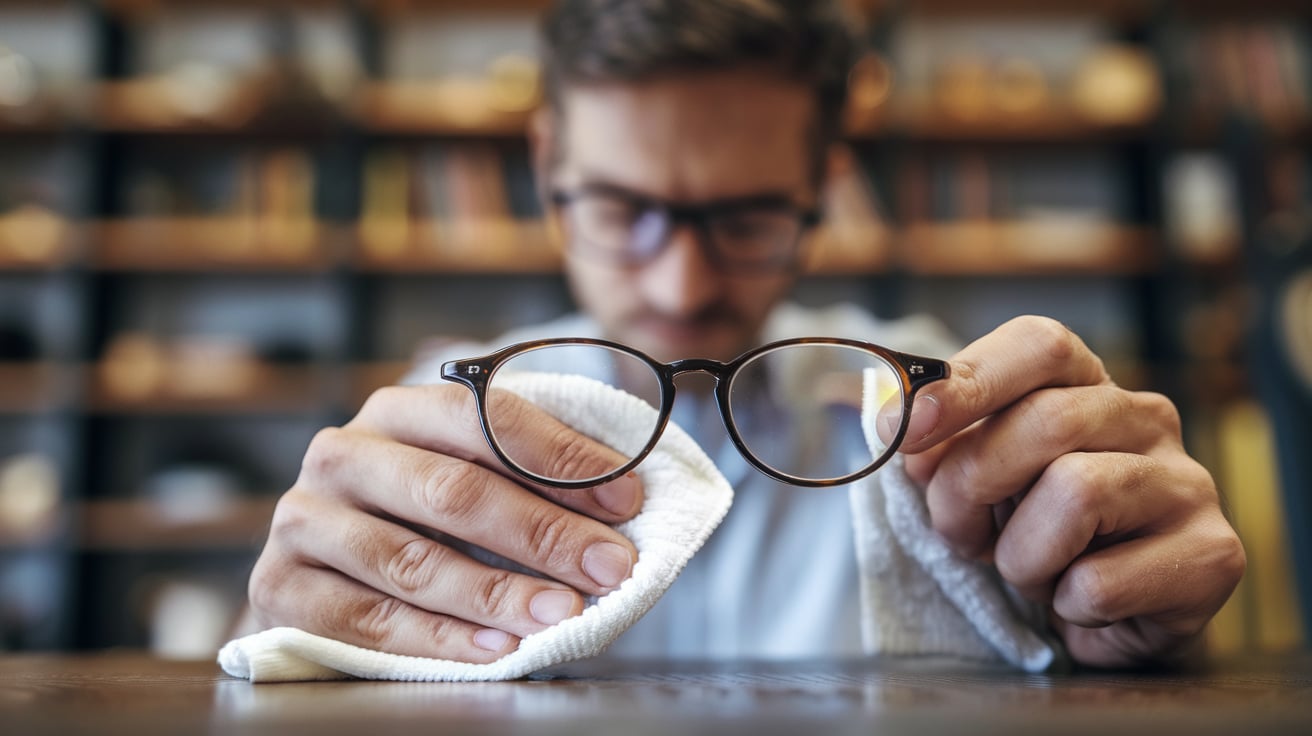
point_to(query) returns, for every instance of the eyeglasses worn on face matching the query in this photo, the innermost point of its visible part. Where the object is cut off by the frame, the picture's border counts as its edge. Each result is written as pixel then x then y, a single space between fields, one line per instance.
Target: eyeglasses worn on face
pixel 804 387
pixel 753 234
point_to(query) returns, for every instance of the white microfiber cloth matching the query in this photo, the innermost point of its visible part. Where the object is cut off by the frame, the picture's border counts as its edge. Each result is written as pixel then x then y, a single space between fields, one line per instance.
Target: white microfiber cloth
pixel 917 595
pixel 686 498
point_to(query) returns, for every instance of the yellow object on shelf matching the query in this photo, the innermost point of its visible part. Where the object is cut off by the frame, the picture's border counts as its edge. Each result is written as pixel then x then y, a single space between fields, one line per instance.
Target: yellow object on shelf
pixel 1263 614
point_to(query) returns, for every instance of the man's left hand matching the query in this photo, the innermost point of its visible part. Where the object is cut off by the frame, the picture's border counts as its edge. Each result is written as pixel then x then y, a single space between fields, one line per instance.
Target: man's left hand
pixel 1079 491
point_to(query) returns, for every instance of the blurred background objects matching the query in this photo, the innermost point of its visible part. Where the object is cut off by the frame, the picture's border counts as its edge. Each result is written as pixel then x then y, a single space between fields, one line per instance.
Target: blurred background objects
pixel 222 224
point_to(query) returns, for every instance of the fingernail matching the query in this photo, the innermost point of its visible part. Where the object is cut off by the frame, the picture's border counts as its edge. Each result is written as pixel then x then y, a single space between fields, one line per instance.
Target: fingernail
pixel 607 563
pixel 492 640
pixel 551 606
pixel 619 496
pixel 925 413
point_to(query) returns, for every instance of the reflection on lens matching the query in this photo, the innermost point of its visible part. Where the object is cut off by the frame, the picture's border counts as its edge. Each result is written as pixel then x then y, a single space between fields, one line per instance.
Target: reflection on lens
pixel 813 411
pixel 545 448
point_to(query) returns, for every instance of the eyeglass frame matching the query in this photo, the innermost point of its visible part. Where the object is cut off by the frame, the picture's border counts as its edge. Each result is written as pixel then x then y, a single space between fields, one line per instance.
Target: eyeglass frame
pixel 913 371
pixel 700 217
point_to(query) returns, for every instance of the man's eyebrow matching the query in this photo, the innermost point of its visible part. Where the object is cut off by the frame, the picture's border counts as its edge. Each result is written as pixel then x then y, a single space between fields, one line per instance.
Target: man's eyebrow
pixel 769 197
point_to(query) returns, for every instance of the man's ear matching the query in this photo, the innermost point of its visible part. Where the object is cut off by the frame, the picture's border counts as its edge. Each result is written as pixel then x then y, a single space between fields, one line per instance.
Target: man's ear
pixel 544 150
pixel 544 147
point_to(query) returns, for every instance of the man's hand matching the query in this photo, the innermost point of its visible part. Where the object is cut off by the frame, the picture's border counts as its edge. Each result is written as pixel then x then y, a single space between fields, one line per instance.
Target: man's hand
pixel 364 548
pixel 1079 491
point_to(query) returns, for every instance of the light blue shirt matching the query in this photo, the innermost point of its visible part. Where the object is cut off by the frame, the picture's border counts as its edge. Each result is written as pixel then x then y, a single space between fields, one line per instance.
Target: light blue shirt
pixel 778 579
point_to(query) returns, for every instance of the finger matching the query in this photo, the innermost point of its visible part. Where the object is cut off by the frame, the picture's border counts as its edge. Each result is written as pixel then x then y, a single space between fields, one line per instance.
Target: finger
pixel 327 603
pixel 1021 356
pixel 1007 452
pixel 402 564
pixel 471 503
pixel 1177 579
pixel 444 419
pixel 1082 500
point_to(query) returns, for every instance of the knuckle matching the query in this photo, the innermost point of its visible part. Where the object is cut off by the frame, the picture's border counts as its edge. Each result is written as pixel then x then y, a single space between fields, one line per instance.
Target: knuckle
pixel 289 516
pixel 266 582
pixel 373 621
pixel 1058 342
pixel 456 404
pixel 382 399
pixel 1234 559
pixel 964 479
pixel 452 491
pixel 574 458
pixel 548 528
pixel 1059 418
pixel 494 597
pixel 325 454
pixel 973 392
pixel 1159 409
pixel 1074 475
pixel 1091 593
pixel 413 566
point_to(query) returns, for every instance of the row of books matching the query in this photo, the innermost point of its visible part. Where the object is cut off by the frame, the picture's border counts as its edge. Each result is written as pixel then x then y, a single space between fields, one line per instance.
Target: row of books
pixel 1262 68
pixel 976 186
pixel 269 199
pixel 200 58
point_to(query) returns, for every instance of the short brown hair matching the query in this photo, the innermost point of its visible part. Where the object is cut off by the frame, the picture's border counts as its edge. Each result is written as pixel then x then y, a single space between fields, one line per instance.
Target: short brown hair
pixel 633 40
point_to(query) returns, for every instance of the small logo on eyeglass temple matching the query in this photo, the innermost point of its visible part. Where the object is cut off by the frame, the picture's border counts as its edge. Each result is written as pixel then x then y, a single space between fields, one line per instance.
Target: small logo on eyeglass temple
pixel 473 370
pixel 917 369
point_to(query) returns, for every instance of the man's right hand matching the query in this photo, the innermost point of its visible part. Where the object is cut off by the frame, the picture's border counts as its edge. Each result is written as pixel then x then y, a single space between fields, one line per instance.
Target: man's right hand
pixel 363 548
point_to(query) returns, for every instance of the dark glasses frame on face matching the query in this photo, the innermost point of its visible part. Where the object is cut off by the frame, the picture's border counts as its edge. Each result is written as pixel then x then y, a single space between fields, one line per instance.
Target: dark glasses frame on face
pixel 661 219
pixel 913 373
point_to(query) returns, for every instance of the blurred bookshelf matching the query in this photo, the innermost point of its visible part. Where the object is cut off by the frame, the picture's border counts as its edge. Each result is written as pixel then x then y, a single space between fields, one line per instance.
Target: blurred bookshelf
pixel 222 225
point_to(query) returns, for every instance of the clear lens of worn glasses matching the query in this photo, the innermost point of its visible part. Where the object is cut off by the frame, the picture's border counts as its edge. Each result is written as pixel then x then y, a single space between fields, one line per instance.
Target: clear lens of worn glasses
pixel 749 235
pixel 802 411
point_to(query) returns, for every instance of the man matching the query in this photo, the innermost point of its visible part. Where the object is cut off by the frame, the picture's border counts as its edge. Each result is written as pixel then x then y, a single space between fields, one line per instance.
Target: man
pixel 722 110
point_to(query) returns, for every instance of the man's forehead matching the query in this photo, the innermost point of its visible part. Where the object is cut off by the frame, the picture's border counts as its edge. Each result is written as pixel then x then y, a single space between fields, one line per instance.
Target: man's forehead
pixel 690 130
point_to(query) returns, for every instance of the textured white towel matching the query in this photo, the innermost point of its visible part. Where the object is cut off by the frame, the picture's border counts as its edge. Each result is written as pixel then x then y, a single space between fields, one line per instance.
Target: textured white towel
pixel 917 596
pixel 686 498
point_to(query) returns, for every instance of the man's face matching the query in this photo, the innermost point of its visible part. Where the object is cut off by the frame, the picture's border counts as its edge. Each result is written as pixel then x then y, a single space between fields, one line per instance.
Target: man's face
pixel 688 141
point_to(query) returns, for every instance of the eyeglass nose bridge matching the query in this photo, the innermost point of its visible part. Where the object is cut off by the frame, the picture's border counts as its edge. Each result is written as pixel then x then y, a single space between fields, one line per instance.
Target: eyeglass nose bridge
pixel 717 370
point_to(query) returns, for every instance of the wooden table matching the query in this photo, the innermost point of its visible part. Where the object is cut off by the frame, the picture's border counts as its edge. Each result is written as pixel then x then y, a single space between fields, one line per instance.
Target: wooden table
pixel 127 693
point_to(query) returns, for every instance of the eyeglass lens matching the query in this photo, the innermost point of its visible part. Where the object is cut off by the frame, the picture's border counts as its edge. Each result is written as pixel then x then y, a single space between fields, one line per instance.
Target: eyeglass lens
pixel 806 411
pixel 823 401
pixel 571 363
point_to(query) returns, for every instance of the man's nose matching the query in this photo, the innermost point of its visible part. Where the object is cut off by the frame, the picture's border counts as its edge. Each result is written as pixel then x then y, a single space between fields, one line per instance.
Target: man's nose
pixel 682 279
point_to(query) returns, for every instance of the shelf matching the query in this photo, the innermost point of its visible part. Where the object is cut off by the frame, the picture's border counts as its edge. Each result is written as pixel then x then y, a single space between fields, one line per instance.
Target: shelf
pixel 1125 10
pixel 40 123
pixel 414 109
pixel 850 251
pixel 213 243
pixel 400 7
pixel 29 538
pixel 35 239
pixel 148 387
pixel 139 525
pixel 429 246
pixel 1230 10
pixel 923 122
pixel 451 107
pixel 1027 248
pixel 36 387
pixel 165 104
